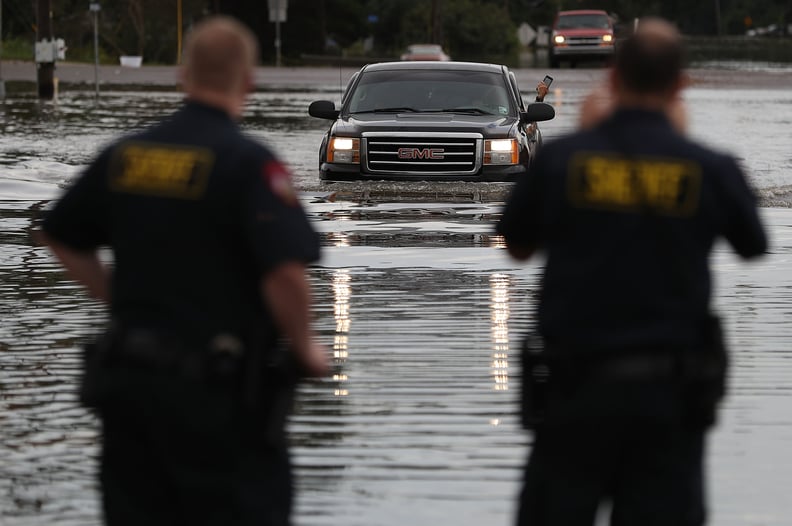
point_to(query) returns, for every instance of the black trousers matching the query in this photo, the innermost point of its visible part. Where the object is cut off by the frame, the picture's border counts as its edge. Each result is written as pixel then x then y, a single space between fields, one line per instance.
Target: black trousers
pixel 178 452
pixel 619 441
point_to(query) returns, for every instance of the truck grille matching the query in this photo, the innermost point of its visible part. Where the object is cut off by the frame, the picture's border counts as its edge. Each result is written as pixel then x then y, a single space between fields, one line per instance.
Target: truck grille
pixel 583 41
pixel 422 153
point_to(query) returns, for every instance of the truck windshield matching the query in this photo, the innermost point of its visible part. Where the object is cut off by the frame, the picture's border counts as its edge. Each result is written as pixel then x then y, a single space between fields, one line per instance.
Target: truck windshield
pixel 590 21
pixel 476 92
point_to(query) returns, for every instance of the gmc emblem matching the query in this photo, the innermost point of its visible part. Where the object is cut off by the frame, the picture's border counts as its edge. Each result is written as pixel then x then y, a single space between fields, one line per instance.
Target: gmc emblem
pixel 421 153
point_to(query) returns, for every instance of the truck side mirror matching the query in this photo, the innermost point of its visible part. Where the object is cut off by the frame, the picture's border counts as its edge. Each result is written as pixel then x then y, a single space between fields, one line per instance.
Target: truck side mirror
pixel 537 112
pixel 323 109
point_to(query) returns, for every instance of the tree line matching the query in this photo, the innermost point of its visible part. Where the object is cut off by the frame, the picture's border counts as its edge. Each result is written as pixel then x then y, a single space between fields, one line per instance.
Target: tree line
pixel 467 29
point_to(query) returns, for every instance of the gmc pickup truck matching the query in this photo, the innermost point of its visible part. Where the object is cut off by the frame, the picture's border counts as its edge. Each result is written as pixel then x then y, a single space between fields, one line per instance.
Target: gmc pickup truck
pixel 434 121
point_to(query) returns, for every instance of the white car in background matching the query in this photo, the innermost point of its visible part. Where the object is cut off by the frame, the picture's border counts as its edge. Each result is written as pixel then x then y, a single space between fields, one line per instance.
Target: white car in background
pixel 425 52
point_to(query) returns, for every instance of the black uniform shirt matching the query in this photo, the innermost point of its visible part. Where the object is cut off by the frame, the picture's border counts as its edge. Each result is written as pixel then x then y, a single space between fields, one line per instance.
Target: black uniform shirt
pixel 627 214
pixel 195 214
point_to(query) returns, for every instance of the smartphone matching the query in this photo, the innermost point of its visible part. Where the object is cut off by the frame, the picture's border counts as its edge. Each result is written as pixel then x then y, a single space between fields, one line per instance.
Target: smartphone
pixel 547 80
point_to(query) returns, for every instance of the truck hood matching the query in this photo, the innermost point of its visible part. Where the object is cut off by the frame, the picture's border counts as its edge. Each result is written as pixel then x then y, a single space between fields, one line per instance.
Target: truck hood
pixel 487 125
pixel 583 32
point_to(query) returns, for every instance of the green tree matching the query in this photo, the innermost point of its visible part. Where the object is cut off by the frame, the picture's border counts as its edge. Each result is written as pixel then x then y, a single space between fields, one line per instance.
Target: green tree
pixel 480 30
pixel 534 12
pixel 126 27
pixel 467 29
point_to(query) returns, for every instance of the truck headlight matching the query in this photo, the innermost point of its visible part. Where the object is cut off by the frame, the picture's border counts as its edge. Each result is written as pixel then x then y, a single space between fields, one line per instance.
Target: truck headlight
pixel 607 38
pixel 343 150
pixel 559 39
pixel 501 151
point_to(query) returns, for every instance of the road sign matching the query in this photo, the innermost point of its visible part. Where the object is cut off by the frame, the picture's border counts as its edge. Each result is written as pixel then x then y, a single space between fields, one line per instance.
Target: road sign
pixel 277 10
pixel 525 34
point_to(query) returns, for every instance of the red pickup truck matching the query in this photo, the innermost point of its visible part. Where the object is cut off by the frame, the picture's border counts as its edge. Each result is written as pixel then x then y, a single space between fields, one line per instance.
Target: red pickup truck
pixel 581 35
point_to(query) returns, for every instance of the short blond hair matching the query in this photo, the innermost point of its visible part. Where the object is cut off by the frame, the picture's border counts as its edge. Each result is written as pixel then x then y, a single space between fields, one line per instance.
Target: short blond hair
pixel 219 54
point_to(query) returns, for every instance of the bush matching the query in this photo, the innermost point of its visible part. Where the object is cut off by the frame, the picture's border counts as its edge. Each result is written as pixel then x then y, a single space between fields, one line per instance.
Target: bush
pixel 86 54
pixel 18 49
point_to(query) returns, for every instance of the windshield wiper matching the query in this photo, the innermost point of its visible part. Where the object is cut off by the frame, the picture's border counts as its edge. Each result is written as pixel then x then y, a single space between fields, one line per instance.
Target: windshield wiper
pixel 472 110
pixel 395 109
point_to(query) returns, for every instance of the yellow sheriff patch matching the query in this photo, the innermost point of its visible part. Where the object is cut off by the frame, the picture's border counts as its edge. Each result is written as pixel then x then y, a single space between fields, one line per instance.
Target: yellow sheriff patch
pixel 665 186
pixel 167 171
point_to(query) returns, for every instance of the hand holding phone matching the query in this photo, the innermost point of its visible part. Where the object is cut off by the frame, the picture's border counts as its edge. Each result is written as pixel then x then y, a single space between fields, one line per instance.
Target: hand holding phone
pixel 547 80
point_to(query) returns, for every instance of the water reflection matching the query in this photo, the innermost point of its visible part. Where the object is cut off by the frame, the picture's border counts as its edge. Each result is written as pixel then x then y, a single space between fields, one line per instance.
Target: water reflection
pixel 497 241
pixel 339 239
pixel 421 308
pixel 342 291
pixel 418 424
pixel 418 415
pixel 499 314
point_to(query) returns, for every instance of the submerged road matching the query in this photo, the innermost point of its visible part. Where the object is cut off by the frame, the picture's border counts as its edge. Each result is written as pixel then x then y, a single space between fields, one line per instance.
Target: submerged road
pixel 418 424
pixel 742 108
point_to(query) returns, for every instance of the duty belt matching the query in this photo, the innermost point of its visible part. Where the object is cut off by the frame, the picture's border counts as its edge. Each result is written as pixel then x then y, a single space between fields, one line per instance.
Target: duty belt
pixel 162 352
pixel 639 365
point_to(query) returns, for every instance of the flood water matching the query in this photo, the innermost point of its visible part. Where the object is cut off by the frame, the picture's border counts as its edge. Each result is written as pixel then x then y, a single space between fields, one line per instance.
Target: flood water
pixel 422 309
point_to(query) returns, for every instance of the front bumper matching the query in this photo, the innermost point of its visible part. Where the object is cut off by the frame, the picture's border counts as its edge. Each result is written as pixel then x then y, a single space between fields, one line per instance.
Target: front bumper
pixel 582 51
pixel 352 172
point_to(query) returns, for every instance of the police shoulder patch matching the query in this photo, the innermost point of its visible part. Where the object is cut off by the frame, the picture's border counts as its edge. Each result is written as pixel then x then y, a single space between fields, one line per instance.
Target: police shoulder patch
pixel 667 186
pixel 279 182
pixel 164 170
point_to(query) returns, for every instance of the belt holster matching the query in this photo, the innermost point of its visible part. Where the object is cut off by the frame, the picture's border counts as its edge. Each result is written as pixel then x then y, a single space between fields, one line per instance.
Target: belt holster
pixel 94 382
pixel 703 374
pixel 536 381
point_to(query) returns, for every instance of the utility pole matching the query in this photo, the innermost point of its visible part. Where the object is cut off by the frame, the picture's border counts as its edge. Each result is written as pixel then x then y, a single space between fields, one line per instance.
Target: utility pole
pixel 277 45
pixel 277 34
pixel 277 14
pixel 178 31
pixel 94 7
pixel 45 69
pixel 436 22
pixel 2 82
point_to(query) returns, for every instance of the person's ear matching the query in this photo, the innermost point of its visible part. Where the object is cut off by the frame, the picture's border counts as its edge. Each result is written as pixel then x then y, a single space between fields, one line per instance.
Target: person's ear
pixel 248 82
pixel 682 82
pixel 613 80
pixel 685 81
pixel 181 78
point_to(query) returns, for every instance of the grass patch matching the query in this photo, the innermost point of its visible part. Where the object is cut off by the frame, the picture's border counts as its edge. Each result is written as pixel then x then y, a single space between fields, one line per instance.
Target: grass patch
pixel 18 49
pixel 86 54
